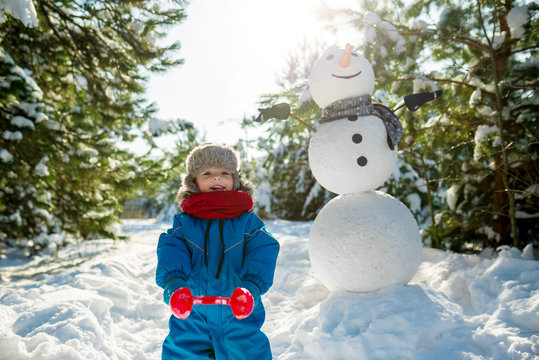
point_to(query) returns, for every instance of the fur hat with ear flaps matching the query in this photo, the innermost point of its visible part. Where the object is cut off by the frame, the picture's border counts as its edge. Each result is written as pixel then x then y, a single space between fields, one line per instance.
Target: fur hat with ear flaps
pixel 208 156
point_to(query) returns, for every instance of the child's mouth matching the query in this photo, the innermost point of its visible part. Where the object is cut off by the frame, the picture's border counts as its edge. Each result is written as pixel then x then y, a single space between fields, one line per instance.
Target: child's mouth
pixel 217 188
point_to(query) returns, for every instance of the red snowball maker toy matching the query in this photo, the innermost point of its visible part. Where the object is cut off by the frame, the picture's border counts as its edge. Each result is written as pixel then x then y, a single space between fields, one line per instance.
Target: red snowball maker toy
pixel 241 302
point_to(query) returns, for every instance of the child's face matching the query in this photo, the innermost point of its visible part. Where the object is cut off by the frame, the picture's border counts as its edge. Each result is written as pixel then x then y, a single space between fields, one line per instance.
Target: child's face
pixel 215 179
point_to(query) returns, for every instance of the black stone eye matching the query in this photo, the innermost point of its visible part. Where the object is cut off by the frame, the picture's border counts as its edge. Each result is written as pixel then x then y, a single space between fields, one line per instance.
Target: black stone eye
pixel 357 138
pixel 352 117
pixel 329 57
pixel 362 161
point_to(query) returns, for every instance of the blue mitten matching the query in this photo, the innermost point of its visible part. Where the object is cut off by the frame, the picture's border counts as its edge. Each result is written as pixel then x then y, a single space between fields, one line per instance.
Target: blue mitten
pixel 171 286
pixel 253 289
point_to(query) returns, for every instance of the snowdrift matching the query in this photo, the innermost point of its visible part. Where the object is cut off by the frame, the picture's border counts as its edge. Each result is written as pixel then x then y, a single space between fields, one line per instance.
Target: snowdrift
pixel 100 301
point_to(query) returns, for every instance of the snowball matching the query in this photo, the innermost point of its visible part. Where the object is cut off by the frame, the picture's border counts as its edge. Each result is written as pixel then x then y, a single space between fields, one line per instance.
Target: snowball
pixel 349 156
pixel 5 156
pixel 363 242
pixel 326 88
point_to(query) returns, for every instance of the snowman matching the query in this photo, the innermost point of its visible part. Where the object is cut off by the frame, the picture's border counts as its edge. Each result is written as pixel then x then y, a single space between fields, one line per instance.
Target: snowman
pixel 362 240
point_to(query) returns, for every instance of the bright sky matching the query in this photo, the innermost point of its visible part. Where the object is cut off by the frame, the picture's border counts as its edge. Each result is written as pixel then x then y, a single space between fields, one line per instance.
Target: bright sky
pixel 234 51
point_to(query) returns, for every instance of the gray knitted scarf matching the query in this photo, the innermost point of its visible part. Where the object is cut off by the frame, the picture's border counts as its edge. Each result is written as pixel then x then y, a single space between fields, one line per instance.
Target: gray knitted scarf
pixel 362 106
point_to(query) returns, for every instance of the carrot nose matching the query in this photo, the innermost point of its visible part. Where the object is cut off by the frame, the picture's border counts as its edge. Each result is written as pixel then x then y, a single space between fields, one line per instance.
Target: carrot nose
pixel 345 60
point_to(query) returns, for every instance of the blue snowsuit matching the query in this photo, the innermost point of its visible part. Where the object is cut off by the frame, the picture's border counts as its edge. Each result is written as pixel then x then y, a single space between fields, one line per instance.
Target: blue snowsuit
pixel 213 257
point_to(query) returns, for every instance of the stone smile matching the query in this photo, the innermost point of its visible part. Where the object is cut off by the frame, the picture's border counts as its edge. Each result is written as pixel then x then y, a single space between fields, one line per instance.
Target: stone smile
pixel 346 76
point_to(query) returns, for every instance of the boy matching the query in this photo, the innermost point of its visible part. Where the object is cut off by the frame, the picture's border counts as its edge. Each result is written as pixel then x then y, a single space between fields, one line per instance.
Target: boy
pixel 215 246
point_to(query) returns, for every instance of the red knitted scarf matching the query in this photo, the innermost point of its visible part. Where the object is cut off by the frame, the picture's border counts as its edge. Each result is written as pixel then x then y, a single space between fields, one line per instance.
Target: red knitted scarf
pixel 217 204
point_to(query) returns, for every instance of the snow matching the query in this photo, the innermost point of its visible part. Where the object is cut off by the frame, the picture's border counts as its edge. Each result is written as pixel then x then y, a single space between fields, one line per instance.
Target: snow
pixel 451 196
pixel 342 150
pixel 517 18
pixel 41 168
pixel 363 242
pixel 424 84
pixel 336 148
pixel 325 88
pixel 22 10
pixel 369 34
pixel 415 202
pixel 99 300
pixel 481 133
pixel 12 135
pixel 475 98
pixel 22 122
pixel 391 30
pixel 158 126
pixel 5 156
pixel 489 232
pixel 418 24
pixel 371 18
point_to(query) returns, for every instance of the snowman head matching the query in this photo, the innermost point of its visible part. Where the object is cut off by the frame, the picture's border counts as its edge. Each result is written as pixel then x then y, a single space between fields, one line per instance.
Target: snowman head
pixel 340 74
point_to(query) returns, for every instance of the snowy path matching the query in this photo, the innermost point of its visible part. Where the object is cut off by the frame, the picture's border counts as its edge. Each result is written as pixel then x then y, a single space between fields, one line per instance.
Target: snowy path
pixel 108 306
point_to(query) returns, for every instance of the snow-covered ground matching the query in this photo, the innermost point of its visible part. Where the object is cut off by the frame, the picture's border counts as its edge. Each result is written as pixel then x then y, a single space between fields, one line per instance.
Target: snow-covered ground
pixel 100 301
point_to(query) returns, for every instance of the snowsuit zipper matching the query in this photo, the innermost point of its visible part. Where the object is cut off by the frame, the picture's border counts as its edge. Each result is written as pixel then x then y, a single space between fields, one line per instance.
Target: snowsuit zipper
pixel 222 249
pixel 206 239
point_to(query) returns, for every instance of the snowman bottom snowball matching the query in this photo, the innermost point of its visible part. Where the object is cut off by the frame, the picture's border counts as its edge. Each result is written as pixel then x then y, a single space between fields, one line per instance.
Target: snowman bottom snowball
pixel 363 242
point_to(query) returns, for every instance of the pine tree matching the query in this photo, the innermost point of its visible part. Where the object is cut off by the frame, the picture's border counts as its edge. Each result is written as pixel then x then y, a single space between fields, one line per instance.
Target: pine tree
pixel 468 161
pixel 72 94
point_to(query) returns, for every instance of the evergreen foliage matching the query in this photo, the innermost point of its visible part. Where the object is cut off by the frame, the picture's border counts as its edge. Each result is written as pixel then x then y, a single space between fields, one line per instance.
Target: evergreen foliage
pixel 295 194
pixel 468 161
pixel 71 98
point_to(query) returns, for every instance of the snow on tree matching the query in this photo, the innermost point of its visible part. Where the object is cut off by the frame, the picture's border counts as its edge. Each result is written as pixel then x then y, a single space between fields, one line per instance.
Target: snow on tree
pixel 22 10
